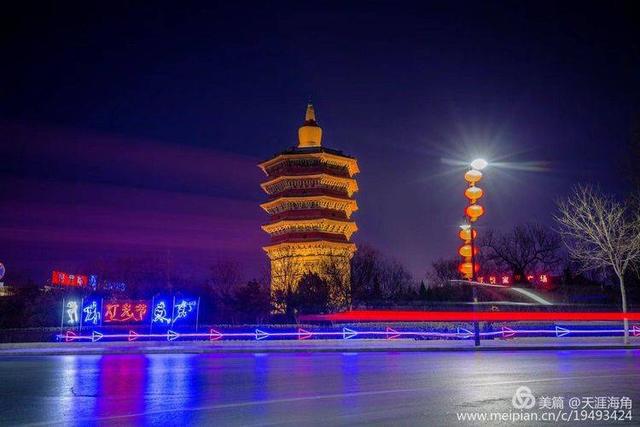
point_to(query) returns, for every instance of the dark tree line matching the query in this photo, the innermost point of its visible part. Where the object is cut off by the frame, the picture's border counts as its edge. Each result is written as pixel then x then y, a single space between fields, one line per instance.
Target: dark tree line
pixel 375 278
pixel 523 250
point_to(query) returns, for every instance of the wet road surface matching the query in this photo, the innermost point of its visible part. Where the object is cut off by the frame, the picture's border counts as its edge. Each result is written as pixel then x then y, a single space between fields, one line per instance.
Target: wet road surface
pixel 377 388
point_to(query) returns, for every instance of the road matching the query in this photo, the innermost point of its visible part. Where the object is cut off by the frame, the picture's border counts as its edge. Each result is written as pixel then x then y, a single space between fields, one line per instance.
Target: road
pixel 377 388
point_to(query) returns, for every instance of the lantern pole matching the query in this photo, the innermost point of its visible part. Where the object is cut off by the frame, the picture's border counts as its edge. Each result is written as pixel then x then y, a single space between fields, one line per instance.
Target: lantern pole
pixel 476 165
pixel 473 255
pixel 474 286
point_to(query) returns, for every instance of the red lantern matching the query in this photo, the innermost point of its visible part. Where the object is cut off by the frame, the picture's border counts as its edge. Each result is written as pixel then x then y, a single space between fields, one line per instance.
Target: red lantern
pixel 474 212
pixel 473 193
pixel 466 267
pixel 466 234
pixel 473 176
pixel 465 251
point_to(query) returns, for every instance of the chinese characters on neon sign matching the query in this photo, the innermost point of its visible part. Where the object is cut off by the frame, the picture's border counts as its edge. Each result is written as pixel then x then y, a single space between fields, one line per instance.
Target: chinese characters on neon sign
pixel 160 313
pixel 176 312
pixel 183 309
pixel 71 312
pixel 95 312
pixel 507 280
pixel 65 279
pixel 125 311
pixel 92 314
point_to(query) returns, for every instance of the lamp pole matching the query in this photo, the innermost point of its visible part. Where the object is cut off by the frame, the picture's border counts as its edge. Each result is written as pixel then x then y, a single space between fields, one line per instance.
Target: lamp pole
pixel 474 288
pixel 472 212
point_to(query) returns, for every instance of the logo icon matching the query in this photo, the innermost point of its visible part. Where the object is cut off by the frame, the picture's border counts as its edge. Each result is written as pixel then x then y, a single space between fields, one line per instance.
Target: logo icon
pixel 523 398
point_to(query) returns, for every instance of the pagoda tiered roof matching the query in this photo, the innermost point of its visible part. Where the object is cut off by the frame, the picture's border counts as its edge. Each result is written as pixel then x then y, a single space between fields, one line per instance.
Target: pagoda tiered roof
pixel 325 155
pixel 292 203
pixel 310 191
pixel 322 245
pixel 345 227
pixel 324 180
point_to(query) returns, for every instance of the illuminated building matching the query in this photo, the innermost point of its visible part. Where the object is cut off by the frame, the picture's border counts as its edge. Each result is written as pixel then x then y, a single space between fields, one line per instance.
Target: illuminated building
pixel 310 203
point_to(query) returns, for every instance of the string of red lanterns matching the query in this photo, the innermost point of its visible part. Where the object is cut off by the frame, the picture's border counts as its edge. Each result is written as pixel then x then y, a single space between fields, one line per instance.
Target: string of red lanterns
pixel 468 251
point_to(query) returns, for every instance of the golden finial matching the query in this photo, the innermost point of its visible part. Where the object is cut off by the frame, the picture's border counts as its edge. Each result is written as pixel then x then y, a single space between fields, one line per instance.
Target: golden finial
pixel 309 134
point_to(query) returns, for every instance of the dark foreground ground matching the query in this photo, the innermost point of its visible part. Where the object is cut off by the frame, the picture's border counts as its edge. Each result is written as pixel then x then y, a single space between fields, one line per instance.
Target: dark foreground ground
pixel 381 388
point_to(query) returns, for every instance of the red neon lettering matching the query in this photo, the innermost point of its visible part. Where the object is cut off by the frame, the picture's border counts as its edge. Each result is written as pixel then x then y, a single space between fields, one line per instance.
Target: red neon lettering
pixel 141 309
pixel 125 313
pixel 110 314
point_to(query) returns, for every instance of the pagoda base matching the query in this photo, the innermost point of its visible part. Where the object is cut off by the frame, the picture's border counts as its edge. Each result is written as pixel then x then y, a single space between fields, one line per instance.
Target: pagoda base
pixel 329 260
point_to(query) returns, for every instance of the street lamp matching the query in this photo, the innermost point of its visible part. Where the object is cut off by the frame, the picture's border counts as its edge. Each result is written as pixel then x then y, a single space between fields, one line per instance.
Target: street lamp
pixel 473 211
pixel 468 234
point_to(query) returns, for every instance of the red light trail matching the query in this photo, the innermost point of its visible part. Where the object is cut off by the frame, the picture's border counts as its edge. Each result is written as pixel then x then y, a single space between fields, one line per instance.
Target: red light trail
pixel 465 316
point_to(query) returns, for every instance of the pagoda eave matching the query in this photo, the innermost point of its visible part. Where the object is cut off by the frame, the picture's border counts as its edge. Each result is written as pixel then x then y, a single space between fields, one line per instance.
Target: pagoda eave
pixel 349 162
pixel 300 248
pixel 345 204
pixel 349 185
pixel 325 225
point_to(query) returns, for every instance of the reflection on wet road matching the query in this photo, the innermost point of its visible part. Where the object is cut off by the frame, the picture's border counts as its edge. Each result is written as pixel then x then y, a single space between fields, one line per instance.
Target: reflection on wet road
pixel 299 388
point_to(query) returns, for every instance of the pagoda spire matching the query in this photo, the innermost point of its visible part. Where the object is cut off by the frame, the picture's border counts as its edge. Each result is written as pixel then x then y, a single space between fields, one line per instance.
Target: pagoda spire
pixel 310 115
pixel 309 134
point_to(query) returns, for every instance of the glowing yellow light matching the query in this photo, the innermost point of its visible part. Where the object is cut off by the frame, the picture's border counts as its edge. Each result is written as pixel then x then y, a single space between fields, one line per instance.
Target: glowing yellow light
pixel 465 234
pixel 473 176
pixel 465 251
pixel 466 269
pixel 473 193
pixel 474 212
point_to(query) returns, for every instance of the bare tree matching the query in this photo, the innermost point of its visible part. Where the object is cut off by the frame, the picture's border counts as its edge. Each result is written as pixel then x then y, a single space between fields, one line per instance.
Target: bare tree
pixel 443 271
pixel 601 233
pixel 286 272
pixel 395 280
pixel 375 277
pixel 226 274
pixel 365 271
pixel 523 249
pixel 335 270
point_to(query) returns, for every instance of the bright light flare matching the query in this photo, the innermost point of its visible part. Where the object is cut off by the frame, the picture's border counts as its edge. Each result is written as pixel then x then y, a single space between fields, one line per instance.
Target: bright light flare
pixel 533 166
pixel 530 166
pixel 479 164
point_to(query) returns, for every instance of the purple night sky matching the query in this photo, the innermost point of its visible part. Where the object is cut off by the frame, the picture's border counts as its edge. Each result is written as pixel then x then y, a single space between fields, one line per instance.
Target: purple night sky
pixel 136 128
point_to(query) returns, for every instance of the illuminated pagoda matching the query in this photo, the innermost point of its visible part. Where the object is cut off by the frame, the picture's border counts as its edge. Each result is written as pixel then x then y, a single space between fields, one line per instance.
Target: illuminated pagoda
pixel 310 203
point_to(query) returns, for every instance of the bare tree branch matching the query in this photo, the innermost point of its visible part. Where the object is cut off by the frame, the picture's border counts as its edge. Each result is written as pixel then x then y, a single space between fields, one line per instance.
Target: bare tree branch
pixel 523 250
pixel 600 232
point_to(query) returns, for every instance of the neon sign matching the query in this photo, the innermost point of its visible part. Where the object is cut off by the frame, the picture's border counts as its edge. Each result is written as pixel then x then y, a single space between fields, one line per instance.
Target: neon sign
pixel 91 313
pixel 183 309
pixel 160 313
pixel 125 311
pixel 348 334
pixel 114 286
pixel 505 279
pixel 65 279
pixel 71 309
